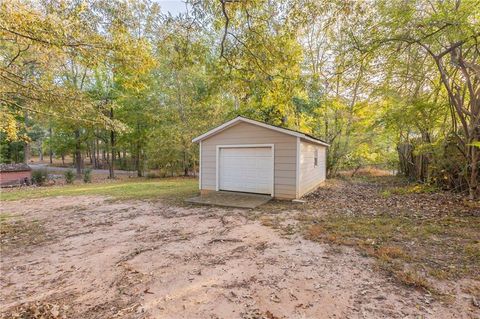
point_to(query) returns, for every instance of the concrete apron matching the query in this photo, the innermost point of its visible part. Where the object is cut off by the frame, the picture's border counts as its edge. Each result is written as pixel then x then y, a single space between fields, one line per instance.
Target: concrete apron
pixel 231 199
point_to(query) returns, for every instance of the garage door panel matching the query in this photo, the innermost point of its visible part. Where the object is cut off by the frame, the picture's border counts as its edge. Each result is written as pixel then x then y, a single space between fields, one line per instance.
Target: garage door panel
pixel 246 169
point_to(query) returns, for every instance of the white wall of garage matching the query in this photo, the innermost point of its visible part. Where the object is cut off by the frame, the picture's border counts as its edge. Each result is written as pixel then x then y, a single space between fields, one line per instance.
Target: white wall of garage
pixel 246 133
pixel 311 175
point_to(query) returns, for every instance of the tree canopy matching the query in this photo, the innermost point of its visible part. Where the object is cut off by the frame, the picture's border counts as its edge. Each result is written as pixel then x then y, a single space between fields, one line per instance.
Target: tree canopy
pixel 123 84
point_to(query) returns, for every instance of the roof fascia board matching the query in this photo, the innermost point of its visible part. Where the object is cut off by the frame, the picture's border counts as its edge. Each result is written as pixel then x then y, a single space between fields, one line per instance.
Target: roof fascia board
pixel 253 122
pixel 216 130
pixel 315 141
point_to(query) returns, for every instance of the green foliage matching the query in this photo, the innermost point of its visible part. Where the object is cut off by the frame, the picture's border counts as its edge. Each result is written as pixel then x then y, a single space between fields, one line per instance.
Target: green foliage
pixel 62 142
pixel 448 169
pixel 409 189
pixel 39 176
pixel 119 79
pixel 87 175
pixel 262 64
pixel 151 175
pixel 11 151
pixel 69 176
pixel 476 144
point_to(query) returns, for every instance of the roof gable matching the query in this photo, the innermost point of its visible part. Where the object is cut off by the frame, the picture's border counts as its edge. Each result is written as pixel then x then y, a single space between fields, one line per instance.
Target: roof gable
pixel 239 119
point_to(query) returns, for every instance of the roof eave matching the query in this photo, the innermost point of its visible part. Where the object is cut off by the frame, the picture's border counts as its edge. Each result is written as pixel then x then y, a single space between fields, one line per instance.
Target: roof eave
pixel 246 120
pixel 308 138
pixel 217 129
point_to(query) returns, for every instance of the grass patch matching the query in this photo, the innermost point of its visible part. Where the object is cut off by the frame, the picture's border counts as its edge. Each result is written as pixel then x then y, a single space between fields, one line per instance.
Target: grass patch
pixel 17 232
pixel 412 279
pixel 445 247
pixel 270 221
pixel 175 189
pixel 409 189
pixel 391 252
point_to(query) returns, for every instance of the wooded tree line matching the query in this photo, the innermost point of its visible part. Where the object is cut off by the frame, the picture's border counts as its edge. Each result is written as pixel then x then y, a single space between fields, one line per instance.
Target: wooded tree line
pixel 123 85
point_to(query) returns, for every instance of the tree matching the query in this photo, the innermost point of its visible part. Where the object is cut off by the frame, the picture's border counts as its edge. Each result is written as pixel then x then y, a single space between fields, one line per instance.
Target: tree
pixel 449 33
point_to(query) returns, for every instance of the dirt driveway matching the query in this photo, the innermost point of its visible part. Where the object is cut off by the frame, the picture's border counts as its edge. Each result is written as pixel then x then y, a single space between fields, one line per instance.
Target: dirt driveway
pixel 91 257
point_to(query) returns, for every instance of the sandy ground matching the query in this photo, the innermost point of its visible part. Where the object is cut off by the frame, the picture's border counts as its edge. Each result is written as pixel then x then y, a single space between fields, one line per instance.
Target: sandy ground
pixel 91 257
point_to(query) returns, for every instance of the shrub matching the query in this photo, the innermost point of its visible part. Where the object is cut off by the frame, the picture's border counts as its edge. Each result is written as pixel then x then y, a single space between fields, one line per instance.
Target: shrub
pixel 87 176
pixel 69 176
pixel 39 177
pixel 151 175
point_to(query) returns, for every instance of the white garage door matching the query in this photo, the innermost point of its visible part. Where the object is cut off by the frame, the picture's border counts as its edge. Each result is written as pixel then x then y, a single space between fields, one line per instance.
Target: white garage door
pixel 246 169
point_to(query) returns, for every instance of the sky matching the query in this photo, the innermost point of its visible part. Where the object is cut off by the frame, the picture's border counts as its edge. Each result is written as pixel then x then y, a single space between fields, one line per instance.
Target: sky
pixel 175 7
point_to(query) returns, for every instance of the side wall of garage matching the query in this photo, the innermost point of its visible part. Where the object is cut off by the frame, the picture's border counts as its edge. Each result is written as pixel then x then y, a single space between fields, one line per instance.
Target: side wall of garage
pixel 311 175
pixel 245 133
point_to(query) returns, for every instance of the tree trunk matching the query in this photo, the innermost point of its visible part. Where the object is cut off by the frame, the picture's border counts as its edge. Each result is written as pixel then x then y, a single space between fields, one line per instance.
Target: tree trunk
pixel 113 150
pixel 185 167
pixel 407 161
pixel 107 159
pixel 40 150
pixel 138 165
pixel 26 153
pixel 467 113
pixel 413 166
pixel 474 172
pixel 97 146
pixel 26 148
pixel 50 151
pixel 94 155
pixel 78 153
pixel 89 153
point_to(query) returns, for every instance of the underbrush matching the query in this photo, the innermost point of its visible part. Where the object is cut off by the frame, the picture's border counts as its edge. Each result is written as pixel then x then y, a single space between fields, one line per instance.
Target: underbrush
pixel 365 171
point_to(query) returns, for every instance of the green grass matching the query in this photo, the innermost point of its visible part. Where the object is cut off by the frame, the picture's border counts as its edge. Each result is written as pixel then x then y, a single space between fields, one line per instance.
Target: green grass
pixel 409 189
pixel 175 189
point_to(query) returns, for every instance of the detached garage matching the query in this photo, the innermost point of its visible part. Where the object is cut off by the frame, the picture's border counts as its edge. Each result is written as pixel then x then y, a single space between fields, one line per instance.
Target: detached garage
pixel 244 155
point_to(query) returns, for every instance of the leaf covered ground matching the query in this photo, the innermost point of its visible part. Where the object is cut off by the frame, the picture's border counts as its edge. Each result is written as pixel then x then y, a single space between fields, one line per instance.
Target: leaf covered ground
pixel 366 247
pixel 418 234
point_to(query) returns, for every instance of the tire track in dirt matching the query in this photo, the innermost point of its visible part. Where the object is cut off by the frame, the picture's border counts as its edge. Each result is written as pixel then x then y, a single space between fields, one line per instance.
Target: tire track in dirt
pixel 149 260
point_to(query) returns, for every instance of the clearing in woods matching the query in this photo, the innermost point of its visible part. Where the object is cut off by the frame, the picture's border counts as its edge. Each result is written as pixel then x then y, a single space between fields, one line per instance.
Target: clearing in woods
pixel 365 248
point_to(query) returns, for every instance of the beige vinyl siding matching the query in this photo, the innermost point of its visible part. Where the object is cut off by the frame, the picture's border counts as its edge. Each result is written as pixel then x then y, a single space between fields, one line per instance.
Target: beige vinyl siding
pixel 311 176
pixel 246 133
